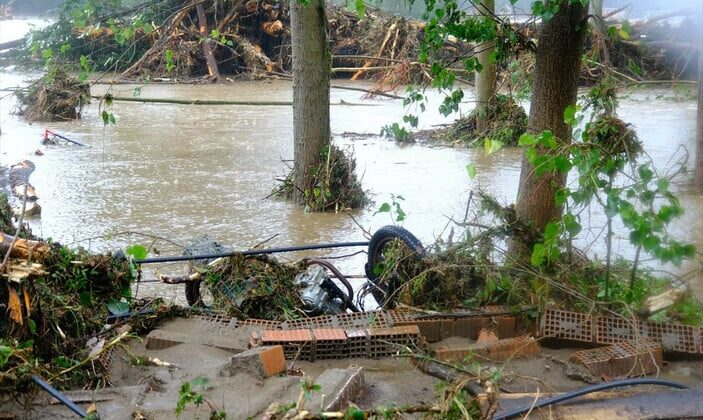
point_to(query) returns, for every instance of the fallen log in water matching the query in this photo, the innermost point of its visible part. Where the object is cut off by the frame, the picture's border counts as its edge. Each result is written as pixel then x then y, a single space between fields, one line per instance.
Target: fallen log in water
pixel 12 44
pixel 219 102
pixel 21 187
pixel 23 248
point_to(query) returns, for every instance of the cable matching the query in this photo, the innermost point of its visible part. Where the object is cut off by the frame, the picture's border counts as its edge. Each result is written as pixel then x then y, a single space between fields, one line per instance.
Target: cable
pixel 247 252
pixel 59 396
pixel 588 390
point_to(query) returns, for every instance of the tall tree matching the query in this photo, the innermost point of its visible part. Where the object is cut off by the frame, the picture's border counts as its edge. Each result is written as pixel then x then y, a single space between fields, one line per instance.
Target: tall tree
pixel 557 69
pixel 311 91
pixel 486 78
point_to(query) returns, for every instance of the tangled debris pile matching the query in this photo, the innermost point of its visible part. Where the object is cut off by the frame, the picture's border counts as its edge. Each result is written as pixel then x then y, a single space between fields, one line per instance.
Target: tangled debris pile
pixel 253 287
pixel 336 186
pixel 55 304
pixel 188 41
pixel 55 97
pixel 505 121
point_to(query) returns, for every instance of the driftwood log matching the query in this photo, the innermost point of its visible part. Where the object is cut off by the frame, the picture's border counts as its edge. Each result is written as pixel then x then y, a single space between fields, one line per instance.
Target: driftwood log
pixel 23 248
pixel 20 186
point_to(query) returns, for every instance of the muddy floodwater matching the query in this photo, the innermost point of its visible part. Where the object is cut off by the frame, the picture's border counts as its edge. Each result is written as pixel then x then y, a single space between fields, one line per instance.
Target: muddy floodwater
pixel 183 171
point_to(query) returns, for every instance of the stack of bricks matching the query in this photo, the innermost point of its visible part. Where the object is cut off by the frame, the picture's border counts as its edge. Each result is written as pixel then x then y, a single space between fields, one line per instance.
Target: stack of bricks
pixel 335 343
pixel 621 360
pixel 580 327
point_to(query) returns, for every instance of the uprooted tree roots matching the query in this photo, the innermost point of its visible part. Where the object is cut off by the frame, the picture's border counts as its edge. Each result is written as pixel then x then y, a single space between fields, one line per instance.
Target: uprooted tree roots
pixel 55 97
pixel 335 186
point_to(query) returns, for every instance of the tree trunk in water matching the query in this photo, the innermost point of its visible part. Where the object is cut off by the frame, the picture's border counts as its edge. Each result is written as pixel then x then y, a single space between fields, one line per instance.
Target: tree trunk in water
pixel 311 91
pixel 699 136
pixel 207 50
pixel 486 78
pixel 557 69
pixel 597 9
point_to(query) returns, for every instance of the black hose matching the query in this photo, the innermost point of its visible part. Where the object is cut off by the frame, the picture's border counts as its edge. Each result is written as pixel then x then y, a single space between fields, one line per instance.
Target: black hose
pixel 588 390
pixel 59 396
pixel 248 252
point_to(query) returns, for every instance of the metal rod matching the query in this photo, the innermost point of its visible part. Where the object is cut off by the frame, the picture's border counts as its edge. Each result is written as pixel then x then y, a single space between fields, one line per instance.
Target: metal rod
pixel 177 258
pixel 59 396
pixel 64 138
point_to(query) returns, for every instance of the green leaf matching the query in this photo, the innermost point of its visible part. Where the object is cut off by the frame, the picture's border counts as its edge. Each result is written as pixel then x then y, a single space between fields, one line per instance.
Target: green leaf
pixel 136 251
pixel 527 139
pixel 551 231
pixel 571 224
pixel 538 255
pixel 471 170
pixel 645 173
pixel 491 146
pixel 663 185
pixel 651 242
pixel 385 208
pixel 570 115
pixel 118 308
pixel 106 117
pixel 5 353
pixel 360 7
pixel 562 164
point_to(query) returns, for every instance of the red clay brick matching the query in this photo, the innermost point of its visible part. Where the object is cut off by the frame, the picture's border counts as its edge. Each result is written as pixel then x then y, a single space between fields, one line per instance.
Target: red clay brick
pixel 500 350
pixel 621 360
pixel 486 336
pixel 260 361
pixel 290 336
pixel 505 326
pixel 329 334
pixel 468 327
pixel 431 329
pixel 402 330
pixel 273 360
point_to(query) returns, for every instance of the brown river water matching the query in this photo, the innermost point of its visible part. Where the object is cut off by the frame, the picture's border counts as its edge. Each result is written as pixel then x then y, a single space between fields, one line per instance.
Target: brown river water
pixel 182 171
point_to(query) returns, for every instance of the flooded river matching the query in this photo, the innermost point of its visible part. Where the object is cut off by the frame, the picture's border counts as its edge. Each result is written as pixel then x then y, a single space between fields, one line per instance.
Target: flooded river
pixel 181 171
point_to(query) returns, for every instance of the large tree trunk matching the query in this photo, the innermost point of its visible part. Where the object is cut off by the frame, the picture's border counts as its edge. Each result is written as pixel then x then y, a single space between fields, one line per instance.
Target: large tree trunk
pixel 699 136
pixel 557 69
pixel 486 78
pixel 311 90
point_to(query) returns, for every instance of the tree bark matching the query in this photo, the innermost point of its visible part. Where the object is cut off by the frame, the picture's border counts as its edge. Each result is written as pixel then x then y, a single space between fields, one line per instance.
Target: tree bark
pixel 486 78
pixel 207 49
pixel 557 70
pixel 311 91
pixel 699 131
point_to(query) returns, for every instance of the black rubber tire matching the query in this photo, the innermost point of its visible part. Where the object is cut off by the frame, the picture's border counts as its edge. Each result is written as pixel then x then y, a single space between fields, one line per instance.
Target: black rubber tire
pixel 379 240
